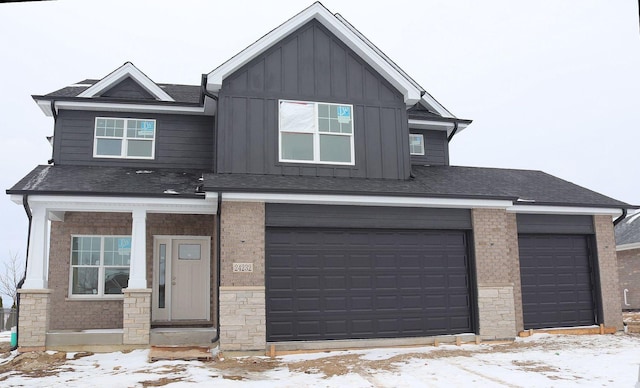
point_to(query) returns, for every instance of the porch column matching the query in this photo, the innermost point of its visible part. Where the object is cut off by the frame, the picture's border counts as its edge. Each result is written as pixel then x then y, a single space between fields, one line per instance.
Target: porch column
pixel 136 324
pixel 37 265
pixel 138 265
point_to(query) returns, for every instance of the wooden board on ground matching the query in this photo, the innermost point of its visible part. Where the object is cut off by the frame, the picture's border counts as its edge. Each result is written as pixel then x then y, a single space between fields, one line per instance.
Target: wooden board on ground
pixel 186 353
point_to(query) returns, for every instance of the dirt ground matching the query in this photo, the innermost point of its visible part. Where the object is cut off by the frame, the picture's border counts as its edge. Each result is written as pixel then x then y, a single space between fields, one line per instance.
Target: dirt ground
pixel 42 364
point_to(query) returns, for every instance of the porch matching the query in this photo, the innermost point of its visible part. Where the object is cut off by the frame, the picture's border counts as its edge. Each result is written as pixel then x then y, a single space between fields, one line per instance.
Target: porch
pixel 120 275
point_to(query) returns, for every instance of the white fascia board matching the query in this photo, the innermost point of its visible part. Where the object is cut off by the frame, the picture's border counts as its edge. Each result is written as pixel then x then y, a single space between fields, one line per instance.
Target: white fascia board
pixel 412 94
pixel 569 210
pixel 432 103
pixel 366 200
pixel 436 125
pixel 626 247
pixel 139 108
pixel 67 203
pixel 124 71
pixel 45 106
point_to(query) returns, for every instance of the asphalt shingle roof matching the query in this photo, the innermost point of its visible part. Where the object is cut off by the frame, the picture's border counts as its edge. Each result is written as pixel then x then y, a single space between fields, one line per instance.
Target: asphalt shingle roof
pixel 531 187
pixel 93 180
pixel 628 230
pixel 189 94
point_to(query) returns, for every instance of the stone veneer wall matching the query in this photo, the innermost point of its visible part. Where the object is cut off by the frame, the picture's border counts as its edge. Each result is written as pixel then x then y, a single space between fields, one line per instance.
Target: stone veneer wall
pixel 137 317
pixel 608 267
pixel 81 314
pixel 629 274
pixel 242 294
pixel 35 308
pixel 497 273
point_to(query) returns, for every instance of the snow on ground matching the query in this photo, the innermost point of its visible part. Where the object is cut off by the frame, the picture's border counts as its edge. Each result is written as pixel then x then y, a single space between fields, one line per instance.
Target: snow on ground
pixel 537 361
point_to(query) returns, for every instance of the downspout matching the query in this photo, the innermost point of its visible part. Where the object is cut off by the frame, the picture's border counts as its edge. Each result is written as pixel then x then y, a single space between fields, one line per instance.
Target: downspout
pixel 455 129
pixel 55 120
pixel 622 217
pixel 205 92
pixel 218 214
pixel 25 203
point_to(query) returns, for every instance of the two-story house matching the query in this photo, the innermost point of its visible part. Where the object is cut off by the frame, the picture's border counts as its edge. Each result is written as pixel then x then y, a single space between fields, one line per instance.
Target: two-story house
pixel 301 195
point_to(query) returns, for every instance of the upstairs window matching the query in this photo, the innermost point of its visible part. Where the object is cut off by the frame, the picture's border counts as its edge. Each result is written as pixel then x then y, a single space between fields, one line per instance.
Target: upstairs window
pixel 99 265
pixel 124 138
pixel 316 132
pixel 416 144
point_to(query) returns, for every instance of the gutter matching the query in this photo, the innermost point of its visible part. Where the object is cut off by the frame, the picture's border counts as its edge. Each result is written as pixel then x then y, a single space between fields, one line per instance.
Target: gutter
pixel 622 217
pixel 25 203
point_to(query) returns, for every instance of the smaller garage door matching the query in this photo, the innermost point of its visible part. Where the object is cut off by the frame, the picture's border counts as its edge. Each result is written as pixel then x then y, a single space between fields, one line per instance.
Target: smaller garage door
pixel 557 281
pixel 357 283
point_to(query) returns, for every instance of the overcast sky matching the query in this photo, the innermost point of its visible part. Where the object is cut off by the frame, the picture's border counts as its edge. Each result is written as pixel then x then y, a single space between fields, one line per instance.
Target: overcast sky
pixel 551 85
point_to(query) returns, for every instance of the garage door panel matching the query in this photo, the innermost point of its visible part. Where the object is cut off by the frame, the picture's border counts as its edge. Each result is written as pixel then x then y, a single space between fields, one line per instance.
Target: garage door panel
pixel 557 289
pixel 368 283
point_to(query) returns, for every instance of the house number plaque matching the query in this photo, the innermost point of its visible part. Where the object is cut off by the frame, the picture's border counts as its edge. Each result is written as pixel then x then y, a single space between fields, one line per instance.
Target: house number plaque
pixel 242 267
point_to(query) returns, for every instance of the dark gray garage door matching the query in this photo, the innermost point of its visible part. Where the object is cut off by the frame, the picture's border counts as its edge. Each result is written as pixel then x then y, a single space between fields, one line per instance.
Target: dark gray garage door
pixel 354 283
pixel 557 286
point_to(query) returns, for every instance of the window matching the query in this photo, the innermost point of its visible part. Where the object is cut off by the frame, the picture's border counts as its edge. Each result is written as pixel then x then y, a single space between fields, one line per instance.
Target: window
pixel 316 132
pixel 124 138
pixel 99 265
pixel 416 144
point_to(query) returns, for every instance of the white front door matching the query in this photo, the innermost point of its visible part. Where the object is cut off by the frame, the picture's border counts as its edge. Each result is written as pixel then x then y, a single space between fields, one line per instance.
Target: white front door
pixel 181 279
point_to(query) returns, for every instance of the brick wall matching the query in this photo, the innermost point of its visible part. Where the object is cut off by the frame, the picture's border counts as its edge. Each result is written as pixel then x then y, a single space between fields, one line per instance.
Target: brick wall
pixel 75 314
pixel 497 272
pixel 608 266
pixel 242 241
pixel 242 295
pixel 629 273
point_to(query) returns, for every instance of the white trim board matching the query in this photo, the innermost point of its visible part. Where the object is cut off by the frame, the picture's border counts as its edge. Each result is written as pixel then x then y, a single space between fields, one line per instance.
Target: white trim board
pixel 55 204
pixel 124 71
pixel 45 106
pixel 411 91
pixel 436 125
pixel 591 211
pixel 626 247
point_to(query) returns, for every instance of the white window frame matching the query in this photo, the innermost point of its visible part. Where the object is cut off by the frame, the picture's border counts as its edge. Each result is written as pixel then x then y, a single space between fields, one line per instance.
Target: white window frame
pixel 316 135
pixel 101 270
pixel 421 143
pixel 124 139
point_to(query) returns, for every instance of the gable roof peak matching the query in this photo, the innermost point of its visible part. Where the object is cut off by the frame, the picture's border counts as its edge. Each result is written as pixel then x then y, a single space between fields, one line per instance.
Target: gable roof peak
pixel 127 70
pixel 344 31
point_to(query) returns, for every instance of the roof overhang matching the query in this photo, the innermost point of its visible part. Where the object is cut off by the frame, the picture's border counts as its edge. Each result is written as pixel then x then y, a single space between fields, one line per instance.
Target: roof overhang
pixel 57 205
pixel 626 247
pixel 48 104
pixel 438 125
pixel 124 71
pixel 411 91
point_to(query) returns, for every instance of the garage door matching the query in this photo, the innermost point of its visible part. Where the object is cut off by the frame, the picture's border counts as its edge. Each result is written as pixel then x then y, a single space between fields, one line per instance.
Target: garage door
pixel 557 285
pixel 355 283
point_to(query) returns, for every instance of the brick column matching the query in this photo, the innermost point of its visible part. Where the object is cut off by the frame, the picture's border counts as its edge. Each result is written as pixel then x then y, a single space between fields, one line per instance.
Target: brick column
pixel 34 319
pixel 494 233
pixel 136 323
pixel 242 294
pixel 608 268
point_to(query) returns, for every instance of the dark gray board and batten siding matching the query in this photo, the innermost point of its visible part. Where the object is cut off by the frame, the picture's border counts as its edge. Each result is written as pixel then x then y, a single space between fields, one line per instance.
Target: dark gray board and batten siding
pixel 371 217
pixel 436 148
pixel 311 64
pixel 554 224
pixel 182 141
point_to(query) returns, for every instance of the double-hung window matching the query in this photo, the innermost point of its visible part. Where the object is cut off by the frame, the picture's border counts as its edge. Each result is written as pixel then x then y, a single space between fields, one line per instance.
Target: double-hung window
pixel 416 144
pixel 99 265
pixel 124 138
pixel 316 132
